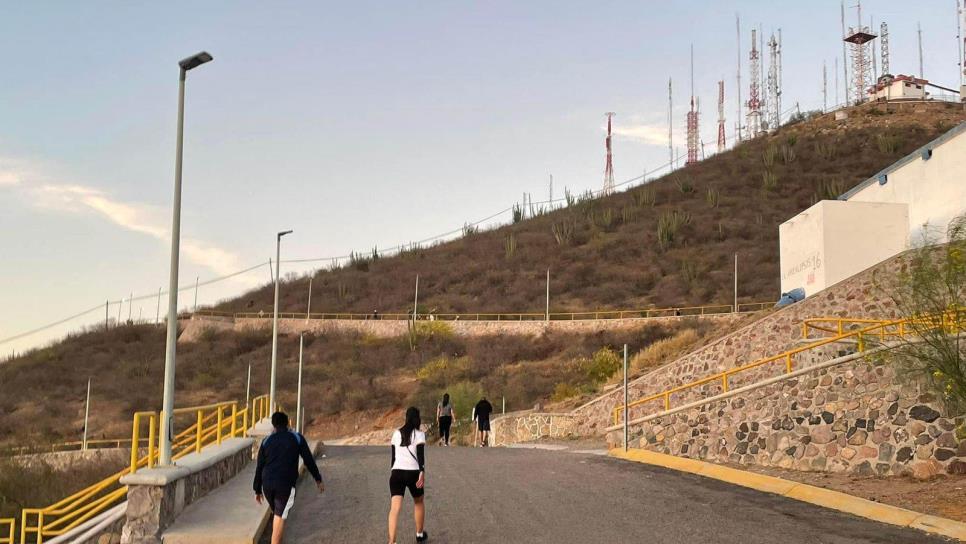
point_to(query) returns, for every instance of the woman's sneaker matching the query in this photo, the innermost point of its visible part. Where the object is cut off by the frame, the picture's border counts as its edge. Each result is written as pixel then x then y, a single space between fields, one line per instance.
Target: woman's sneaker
pixel 422 537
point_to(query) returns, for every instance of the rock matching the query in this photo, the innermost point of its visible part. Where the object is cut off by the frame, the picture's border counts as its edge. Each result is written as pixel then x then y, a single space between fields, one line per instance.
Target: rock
pixel 847 453
pixel 867 452
pixel 741 448
pixel 743 427
pixel 828 417
pixel 923 413
pixel 943 454
pixel 956 467
pixel 946 440
pixel 925 452
pixel 886 451
pixel 904 454
pixel 916 428
pixel 923 439
pixel 900 435
pixel 858 438
pixel 864 469
pixel 924 470
pixel 860 423
pixel 893 408
pixel 814 420
pixel 788 424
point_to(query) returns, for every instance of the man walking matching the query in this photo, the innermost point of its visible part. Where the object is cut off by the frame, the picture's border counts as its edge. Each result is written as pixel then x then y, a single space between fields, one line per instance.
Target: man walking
pixel 481 414
pixel 277 471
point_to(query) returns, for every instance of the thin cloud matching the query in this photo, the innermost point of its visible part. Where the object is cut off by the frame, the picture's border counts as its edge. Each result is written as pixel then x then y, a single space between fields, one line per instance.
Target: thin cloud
pixel 650 134
pixel 131 216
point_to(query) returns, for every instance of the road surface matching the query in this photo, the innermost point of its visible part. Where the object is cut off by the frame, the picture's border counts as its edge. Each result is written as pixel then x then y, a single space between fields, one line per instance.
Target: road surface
pixel 498 495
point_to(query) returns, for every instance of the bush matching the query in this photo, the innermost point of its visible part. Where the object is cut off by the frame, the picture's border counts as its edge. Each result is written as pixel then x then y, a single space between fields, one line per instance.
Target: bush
pixel 563 391
pixel 604 364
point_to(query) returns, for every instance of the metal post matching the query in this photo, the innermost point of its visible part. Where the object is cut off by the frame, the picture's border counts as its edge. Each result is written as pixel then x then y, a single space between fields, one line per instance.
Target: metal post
pixel 416 298
pixel 298 394
pixel 504 405
pixel 196 295
pixel 625 397
pixel 157 312
pixel 120 305
pixel 736 283
pixel 278 272
pixel 248 387
pixel 130 305
pixel 87 413
pixel 170 352
pixel 107 319
pixel 308 306
pixel 548 294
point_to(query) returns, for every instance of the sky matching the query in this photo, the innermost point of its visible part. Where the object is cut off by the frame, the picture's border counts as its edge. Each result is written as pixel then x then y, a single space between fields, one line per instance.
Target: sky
pixel 356 124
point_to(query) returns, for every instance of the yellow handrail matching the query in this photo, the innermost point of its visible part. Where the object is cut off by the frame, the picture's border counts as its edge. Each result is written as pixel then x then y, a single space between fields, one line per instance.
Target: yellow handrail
pixel 881 329
pixel 76 445
pixel 213 423
pixel 507 316
pixel 9 524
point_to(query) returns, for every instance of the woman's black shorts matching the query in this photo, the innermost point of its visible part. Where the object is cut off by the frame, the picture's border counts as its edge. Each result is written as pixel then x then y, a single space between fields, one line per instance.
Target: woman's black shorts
pixel 399 480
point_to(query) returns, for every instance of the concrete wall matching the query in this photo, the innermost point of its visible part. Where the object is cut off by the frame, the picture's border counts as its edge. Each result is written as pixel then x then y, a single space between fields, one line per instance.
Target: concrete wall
pixel 934 189
pixel 834 240
pixel 194 328
pixel 522 427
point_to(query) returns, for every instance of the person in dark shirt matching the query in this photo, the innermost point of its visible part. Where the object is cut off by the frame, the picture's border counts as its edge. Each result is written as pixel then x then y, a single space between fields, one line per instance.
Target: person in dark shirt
pixel 481 414
pixel 277 471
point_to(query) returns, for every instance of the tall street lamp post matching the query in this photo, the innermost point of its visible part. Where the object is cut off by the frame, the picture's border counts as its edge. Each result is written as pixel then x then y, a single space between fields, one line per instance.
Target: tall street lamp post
pixel 167 408
pixel 278 272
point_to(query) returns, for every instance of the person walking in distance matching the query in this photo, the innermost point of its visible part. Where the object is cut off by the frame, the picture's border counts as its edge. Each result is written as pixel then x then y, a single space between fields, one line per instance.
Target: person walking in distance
pixel 277 471
pixel 481 414
pixel 408 471
pixel 444 416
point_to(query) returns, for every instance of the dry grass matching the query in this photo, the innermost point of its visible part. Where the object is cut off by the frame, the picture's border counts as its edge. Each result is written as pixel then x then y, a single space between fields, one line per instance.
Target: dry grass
pixel 664 351
pixel 40 484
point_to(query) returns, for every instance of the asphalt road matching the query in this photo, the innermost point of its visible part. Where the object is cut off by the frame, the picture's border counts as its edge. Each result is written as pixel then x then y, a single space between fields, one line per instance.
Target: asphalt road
pixel 509 495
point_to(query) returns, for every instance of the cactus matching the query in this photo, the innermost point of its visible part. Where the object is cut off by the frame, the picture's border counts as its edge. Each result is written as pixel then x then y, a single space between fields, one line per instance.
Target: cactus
pixel 645 196
pixel 769 180
pixel 712 197
pixel 510 245
pixel 563 232
pixel 668 226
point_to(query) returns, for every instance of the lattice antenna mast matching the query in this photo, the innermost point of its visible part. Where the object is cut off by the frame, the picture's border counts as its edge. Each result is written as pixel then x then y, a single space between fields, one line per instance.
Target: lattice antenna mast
pixel 845 60
pixel 609 166
pixel 922 74
pixel 738 79
pixel 754 101
pixel 721 117
pixel 859 37
pixel 692 120
pixel 774 98
pixel 670 128
pixel 884 48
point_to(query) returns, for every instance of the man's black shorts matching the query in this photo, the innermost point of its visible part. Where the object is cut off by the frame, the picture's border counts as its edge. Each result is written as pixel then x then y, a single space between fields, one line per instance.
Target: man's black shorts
pixel 280 500
pixel 399 480
pixel 484 423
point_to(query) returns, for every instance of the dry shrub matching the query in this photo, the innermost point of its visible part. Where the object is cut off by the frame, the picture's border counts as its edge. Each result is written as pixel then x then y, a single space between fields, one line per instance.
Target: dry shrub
pixel 664 351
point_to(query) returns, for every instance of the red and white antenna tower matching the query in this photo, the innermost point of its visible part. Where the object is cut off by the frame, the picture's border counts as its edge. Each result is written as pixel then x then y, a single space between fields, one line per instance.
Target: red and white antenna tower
pixel 609 166
pixel 858 37
pixel 754 90
pixel 721 117
pixel 692 120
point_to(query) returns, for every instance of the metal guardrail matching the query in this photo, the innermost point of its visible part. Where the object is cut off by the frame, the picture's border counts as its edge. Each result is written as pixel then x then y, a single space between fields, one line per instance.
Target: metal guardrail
pixel 6 530
pixel 952 321
pixel 92 444
pixel 482 316
pixel 211 424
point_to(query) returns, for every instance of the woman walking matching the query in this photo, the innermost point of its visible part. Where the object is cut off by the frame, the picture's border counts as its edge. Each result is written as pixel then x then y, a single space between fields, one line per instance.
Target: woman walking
pixel 445 416
pixel 408 472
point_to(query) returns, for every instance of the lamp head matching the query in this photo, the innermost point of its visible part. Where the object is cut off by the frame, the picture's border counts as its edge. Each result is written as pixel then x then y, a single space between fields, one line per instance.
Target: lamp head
pixel 195 60
pixel 283 233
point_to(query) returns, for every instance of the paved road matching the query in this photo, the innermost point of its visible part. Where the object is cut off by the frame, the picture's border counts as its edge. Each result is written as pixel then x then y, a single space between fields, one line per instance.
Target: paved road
pixel 501 495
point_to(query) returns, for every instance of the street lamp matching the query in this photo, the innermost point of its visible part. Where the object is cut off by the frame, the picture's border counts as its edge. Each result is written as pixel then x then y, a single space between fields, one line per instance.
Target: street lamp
pixel 278 271
pixel 167 408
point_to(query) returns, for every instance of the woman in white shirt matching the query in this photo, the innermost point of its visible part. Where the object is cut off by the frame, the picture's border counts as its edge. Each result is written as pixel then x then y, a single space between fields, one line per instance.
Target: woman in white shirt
pixel 408 472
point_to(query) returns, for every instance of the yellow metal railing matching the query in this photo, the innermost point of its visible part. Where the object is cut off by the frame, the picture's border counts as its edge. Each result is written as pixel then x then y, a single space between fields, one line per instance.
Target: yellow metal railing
pixel 6 530
pixel 482 316
pixel 92 444
pixel 211 424
pixel 952 321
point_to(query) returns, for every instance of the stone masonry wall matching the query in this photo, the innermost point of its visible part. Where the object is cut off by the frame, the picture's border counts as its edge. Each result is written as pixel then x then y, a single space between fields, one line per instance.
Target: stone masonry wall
pixel 387 328
pixel 855 297
pixel 529 426
pixel 151 509
pixel 855 417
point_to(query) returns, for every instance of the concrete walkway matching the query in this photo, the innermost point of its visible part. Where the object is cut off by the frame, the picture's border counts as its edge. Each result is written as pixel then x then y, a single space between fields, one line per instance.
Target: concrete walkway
pixel 537 496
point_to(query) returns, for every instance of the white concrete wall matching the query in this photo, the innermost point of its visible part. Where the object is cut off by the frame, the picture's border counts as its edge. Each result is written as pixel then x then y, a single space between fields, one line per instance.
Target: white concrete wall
pixel 935 189
pixel 834 240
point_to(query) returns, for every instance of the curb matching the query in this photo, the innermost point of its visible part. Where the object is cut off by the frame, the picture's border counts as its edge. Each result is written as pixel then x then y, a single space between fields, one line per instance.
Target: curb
pixel 819 496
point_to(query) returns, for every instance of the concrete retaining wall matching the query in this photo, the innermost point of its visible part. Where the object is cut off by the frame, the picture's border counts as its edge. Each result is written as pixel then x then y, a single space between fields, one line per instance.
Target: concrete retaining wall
pixel 521 427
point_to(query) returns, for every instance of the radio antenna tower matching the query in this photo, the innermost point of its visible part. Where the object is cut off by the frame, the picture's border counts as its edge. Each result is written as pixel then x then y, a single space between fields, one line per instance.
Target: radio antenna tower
pixel 670 129
pixel 884 45
pixel 738 80
pixel 754 101
pixel 721 117
pixel 859 37
pixel 609 167
pixel 845 60
pixel 961 42
pixel 692 120
pixel 774 91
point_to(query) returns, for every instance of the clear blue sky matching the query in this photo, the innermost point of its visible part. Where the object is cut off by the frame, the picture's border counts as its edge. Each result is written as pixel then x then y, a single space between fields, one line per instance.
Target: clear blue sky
pixel 353 123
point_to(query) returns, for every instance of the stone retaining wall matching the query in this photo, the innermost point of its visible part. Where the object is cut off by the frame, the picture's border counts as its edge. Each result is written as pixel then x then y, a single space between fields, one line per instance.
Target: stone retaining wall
pixel 856 417
pixel 529 426
pixel 194 328
pixel 855 297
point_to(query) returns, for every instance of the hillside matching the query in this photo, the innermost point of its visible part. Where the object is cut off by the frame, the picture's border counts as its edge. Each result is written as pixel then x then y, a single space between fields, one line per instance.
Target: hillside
pixel 621 251
pixel 607 253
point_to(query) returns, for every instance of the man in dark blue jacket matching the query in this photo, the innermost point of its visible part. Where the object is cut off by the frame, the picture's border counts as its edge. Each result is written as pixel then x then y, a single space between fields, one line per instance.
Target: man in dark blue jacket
pixel 277 471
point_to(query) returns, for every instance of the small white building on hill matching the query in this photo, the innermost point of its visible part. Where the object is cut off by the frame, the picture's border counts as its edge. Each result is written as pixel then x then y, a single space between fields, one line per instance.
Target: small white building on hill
pixel 882 216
